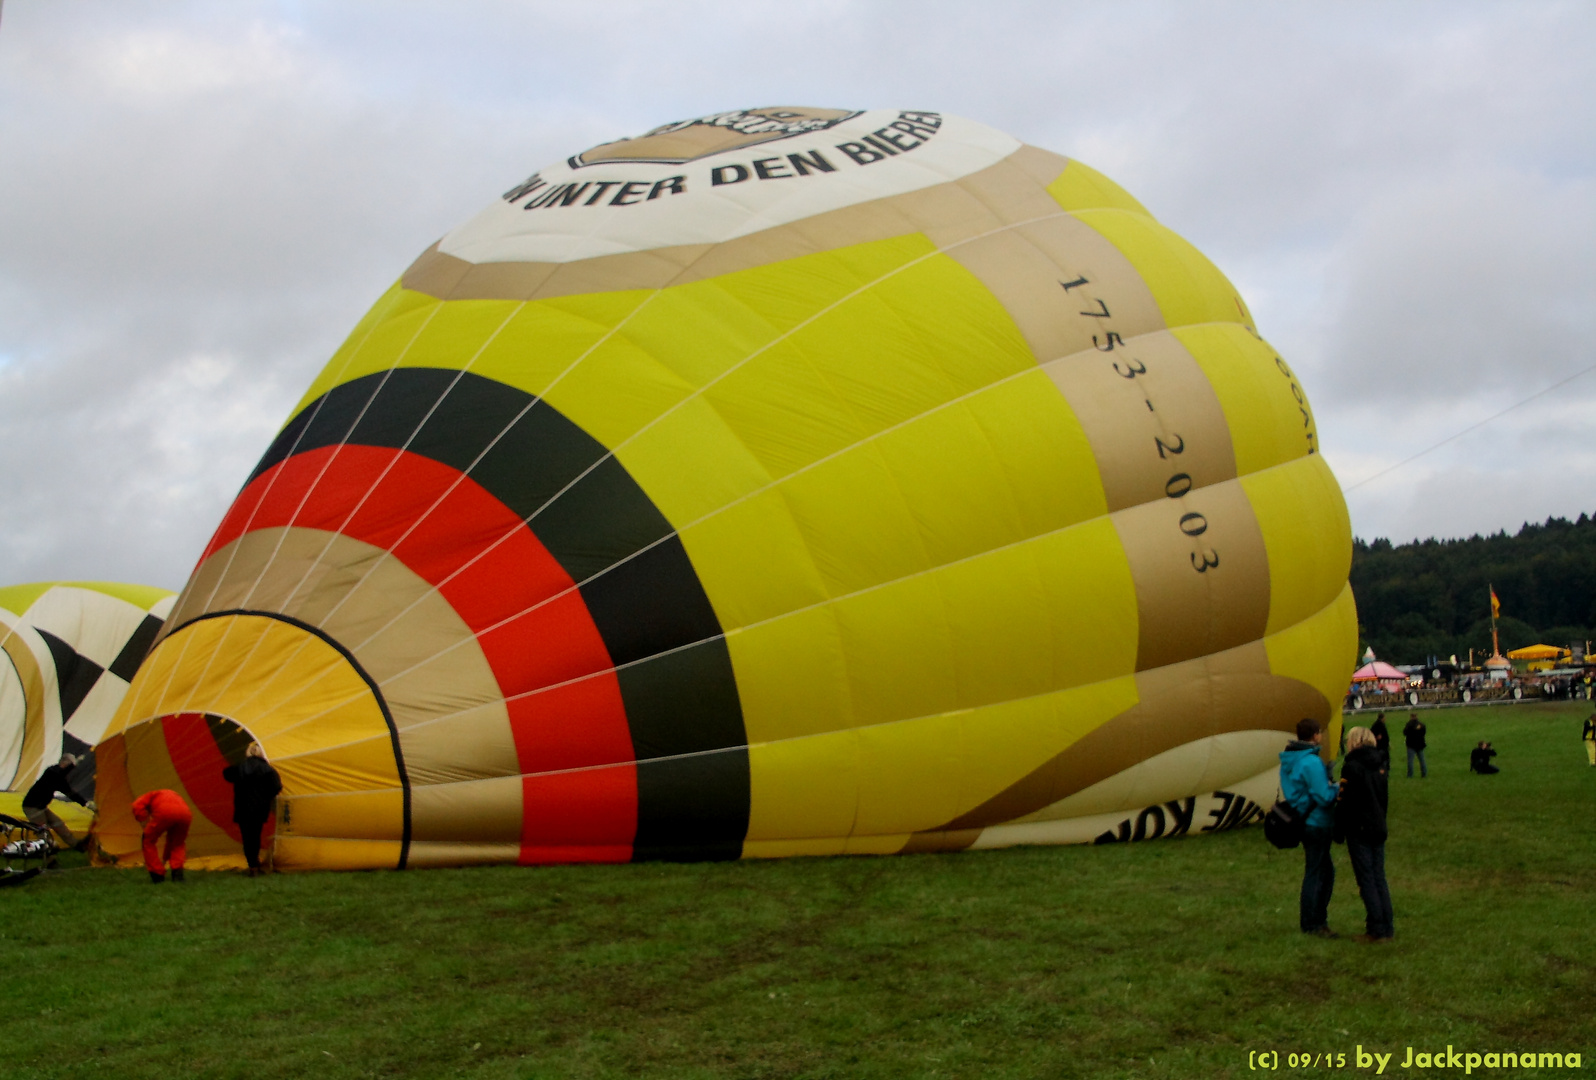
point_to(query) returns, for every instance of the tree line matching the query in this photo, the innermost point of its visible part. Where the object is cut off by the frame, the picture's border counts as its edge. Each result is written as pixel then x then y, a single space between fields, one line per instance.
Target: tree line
pixel 1432 597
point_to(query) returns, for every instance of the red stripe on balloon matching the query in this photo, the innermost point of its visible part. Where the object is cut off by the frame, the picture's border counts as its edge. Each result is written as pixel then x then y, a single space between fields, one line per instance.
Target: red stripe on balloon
pixel 575 816
pixel 199 764
pixel 501 570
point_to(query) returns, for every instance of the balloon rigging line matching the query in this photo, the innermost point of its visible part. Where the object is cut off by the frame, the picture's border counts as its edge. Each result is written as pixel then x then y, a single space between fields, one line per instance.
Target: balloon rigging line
pixel 1471 427
pixel 388 468
pixel 270 484
pixel 309 491
pixel 741 747
pixel 233 555
pixel 441 498
pixel 461 478
pixel 335 534
pixel 742 629
pixel 611 452
pixel 698 392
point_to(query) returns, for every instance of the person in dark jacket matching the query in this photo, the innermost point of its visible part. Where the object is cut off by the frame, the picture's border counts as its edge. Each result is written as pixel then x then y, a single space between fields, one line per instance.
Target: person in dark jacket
pixel 1480 759
pixel 255 787
pixel 1382 737
pixel 36 803
pixel 1305 784
pixel 1360 821
pixel 1413 735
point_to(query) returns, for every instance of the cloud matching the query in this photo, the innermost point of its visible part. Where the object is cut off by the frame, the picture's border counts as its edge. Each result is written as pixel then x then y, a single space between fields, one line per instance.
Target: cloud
pixel 200 200
pixel 1477 283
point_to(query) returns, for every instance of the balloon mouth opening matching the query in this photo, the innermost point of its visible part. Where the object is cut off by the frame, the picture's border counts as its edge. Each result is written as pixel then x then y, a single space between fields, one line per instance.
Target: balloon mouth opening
pixel 274 680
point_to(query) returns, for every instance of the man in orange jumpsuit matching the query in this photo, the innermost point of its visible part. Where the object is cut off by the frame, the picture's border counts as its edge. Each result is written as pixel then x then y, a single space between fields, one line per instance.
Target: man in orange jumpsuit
pixel 160 812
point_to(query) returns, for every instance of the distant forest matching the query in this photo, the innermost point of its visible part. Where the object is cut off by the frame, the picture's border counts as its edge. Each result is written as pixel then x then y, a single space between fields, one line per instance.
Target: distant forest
pixel 1432 597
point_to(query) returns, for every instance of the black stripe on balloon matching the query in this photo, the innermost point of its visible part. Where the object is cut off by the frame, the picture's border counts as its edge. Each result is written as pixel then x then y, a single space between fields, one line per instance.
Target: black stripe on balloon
pixel 127 662
pixel 675 671
pixel 75 674
pixel 232 740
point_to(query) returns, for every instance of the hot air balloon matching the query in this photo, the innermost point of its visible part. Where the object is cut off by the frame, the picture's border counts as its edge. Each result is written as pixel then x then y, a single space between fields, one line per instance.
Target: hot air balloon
pixel 70 649
pixel 786 481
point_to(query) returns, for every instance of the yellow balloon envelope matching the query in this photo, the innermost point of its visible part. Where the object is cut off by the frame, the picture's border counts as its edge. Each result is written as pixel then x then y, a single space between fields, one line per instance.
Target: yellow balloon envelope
pixel 786 481
pixel 68 650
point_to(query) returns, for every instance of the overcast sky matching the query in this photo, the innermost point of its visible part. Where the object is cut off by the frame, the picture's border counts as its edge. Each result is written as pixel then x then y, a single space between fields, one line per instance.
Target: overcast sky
pixel 198 201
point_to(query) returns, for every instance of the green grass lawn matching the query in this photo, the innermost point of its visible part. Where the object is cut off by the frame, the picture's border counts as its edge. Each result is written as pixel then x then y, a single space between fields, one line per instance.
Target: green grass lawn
pixel 1170 958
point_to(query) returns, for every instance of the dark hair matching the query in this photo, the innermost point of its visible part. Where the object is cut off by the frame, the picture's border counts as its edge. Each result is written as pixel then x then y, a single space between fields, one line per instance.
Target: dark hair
pixel 1307 729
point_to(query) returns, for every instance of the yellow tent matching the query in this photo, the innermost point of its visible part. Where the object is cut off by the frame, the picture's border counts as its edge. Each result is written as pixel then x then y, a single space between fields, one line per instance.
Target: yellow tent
pixel 1538 652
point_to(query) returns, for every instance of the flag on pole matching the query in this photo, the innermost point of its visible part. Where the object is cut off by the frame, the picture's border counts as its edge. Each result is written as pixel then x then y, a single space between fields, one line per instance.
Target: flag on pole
pixel 1496 605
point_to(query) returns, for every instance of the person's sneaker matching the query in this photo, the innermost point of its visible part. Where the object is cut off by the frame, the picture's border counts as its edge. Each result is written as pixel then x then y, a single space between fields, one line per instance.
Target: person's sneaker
pixel 177 875
pixel 1324 932
pixel 156 879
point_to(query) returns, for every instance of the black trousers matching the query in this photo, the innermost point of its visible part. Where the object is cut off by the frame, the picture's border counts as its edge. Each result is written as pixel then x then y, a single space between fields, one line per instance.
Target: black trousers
pixel 251 830
pixel 1368 865
pixel 1318 879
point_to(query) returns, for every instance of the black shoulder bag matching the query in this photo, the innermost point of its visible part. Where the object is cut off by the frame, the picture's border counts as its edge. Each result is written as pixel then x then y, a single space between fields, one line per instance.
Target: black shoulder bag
pixel 1283 825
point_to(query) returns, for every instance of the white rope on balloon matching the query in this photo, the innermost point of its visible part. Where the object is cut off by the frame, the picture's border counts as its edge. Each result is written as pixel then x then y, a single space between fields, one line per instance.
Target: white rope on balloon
pixel 611 452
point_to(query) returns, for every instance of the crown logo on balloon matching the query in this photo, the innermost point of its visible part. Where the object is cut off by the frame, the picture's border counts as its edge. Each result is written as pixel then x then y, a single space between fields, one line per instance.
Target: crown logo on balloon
pixel 689 140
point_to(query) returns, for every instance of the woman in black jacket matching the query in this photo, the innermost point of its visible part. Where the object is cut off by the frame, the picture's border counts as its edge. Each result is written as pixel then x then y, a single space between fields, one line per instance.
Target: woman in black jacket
pixel 255 787
pixel 1360 819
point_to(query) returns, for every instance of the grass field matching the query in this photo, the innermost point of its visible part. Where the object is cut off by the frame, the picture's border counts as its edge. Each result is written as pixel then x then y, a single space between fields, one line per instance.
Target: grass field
pixel 1170 958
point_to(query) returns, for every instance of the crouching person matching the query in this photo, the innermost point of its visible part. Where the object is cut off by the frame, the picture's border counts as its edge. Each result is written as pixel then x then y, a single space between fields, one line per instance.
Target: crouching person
pixel 1305 784
pixel 164 812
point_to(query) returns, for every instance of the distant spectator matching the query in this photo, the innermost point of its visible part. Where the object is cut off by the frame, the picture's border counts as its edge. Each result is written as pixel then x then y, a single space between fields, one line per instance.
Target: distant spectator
pixel 164 812
pixel 1360 821
pixel 1413 734
pixel 1382 738
pixel 255 787
pixel 1305 784
pixel 1589 735
pixel 1480 759
pixel 36 803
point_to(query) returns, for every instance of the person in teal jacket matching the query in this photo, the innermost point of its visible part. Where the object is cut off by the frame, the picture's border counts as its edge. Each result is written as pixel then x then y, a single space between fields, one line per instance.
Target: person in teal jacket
pixel 1305 784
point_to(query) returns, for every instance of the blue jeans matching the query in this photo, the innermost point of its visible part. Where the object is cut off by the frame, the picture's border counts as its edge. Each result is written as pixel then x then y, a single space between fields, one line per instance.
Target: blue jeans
pixel 1368 866
pixel 1318 879
pixel 1424 770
